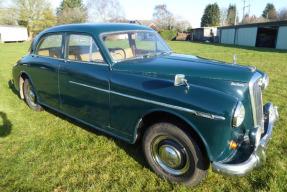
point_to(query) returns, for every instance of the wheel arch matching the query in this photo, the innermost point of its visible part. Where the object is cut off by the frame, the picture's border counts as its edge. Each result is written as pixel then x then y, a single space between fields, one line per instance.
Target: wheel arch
pixel 24 75
pixel 169 116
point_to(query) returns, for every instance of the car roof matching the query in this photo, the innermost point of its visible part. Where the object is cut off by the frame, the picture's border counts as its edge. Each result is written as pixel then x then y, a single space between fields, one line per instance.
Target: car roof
pixel 96 28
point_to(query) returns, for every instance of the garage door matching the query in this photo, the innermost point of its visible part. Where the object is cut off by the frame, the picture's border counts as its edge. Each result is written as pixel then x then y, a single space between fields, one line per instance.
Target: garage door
pixel 282 38
pixel 246 36
pixel 227 36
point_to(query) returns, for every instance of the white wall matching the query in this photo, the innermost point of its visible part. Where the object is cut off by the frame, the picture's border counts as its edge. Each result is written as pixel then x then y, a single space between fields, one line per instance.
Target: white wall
pixel 282 38
pixel 13 33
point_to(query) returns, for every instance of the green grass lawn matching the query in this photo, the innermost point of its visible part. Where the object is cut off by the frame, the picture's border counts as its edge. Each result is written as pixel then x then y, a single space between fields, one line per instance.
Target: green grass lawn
pixel 50 152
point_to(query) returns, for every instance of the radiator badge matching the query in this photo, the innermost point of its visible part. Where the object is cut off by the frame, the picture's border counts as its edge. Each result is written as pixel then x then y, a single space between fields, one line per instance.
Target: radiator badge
pixel 237 84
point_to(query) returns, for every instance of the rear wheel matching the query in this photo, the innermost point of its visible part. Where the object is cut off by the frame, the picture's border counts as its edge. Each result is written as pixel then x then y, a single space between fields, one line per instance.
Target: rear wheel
pixel 174 155
pixel 30 96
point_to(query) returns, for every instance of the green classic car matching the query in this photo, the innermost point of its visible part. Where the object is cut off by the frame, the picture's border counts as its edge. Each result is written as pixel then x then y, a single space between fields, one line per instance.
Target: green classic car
pixel 123 79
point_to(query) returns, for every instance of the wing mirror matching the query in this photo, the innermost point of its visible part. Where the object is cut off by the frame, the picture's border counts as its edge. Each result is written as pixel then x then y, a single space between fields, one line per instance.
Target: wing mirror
pixel 179 80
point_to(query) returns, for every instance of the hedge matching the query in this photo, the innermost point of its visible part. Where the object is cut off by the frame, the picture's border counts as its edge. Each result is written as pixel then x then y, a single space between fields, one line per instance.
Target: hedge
pixel 168 34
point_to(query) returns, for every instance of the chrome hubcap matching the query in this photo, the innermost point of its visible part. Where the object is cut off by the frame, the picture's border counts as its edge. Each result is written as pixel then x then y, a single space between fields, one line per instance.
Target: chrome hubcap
pixel 31 95
pixel 170 155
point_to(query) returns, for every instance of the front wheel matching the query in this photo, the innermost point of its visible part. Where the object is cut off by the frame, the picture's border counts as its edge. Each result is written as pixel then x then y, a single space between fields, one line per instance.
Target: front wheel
pixel 30 96
pixel 174 155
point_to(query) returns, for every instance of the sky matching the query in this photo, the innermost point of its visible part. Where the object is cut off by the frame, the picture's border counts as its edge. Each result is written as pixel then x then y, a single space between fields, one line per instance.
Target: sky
pixel 191 10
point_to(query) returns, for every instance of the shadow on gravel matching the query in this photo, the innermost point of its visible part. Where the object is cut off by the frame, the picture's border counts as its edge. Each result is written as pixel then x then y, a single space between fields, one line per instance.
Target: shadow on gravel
pixel 5 126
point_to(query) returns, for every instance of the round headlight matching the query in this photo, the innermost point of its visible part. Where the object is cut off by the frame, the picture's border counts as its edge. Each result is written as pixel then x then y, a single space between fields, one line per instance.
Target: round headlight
pixel 239 115
pixel 265 82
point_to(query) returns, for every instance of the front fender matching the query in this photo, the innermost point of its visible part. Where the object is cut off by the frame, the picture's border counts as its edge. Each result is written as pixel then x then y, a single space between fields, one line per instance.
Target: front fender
pixel 145 94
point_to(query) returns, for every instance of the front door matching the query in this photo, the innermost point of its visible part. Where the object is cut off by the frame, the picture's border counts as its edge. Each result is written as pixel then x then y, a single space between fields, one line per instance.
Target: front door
pixel 84 81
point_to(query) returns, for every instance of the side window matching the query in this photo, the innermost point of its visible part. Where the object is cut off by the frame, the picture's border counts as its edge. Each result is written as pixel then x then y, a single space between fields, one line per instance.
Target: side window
pixel 83 48
pixel 50 46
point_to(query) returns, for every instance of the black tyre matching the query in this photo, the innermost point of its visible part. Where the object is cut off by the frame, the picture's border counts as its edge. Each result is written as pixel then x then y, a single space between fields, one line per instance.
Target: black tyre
pixel 30 96
pixel 174 155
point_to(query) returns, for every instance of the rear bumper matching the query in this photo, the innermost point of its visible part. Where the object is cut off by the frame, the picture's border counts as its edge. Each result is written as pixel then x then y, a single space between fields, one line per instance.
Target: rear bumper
pixel 258 157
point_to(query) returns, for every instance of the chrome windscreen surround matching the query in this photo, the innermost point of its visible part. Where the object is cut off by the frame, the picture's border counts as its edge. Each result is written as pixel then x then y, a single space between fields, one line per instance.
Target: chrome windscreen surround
pixel 255 92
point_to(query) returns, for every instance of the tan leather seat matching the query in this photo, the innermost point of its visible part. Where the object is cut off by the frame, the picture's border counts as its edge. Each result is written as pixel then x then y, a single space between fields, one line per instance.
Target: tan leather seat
pixel 44 53
pixel 119 54
pixel 86 57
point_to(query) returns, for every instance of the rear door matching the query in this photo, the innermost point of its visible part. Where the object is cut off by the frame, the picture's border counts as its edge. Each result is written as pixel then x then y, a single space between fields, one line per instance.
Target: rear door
pixel 84 81
pixel 44 66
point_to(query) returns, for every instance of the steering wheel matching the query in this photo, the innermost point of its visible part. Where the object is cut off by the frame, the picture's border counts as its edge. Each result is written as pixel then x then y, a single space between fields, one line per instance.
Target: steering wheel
pixel 112 50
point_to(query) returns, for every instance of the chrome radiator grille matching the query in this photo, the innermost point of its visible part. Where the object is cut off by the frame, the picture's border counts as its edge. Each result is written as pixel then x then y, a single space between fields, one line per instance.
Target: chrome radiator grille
pixel 256 100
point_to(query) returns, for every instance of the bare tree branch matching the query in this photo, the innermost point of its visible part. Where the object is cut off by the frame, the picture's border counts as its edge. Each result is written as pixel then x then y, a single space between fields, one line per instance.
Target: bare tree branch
pixel 104 11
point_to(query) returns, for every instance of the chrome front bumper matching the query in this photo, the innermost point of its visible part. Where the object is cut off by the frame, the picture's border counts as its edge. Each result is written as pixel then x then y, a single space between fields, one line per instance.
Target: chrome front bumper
pixel 258 157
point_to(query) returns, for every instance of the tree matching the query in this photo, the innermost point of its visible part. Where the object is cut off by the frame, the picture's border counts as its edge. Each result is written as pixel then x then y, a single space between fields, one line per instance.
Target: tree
pixel 253 19
pixel 164 17
pixel 71 11
pixel 8 16
pixel 70 4
pixel 71 15
pixel 36 15
pixel 223 16
pixel 282 14
pixel 232 15
pixel 105 11
pixel 269 12
pixel 211 16
pixel 180 25
pixel 188 30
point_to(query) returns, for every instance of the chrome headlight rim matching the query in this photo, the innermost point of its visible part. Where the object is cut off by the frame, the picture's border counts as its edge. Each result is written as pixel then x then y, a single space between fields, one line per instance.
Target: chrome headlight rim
pixel 238 115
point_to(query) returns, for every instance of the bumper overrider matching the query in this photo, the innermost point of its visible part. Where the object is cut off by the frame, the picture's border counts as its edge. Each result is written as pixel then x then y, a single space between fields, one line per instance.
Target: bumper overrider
pixel 258 157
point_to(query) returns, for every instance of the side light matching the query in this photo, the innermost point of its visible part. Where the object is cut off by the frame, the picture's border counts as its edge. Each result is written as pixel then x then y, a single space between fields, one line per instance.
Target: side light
pixel 233 145
pixel 239 115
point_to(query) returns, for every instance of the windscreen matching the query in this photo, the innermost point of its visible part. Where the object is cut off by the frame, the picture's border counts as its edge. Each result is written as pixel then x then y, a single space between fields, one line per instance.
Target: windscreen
pixel 126 45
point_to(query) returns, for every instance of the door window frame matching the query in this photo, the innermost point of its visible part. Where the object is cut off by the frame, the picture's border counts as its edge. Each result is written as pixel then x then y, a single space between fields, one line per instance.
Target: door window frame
pixel 39 43
pixel 66 37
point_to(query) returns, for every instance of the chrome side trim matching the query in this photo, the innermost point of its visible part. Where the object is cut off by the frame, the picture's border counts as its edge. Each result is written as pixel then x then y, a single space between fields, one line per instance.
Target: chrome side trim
pixel 258 157
pixel 254 78
pixel 84 85
pixel 197 113
pixel 69 60
pixel 206 115
pixel 86 62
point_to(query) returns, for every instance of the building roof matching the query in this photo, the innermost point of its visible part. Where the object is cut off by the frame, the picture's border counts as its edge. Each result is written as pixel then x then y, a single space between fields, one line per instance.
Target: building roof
pixel 265 24
pixel 147 22
pixel 202 28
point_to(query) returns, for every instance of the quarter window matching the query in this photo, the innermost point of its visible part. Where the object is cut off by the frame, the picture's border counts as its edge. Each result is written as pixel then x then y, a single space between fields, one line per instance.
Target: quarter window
pixel 83 48
pixel 50 46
